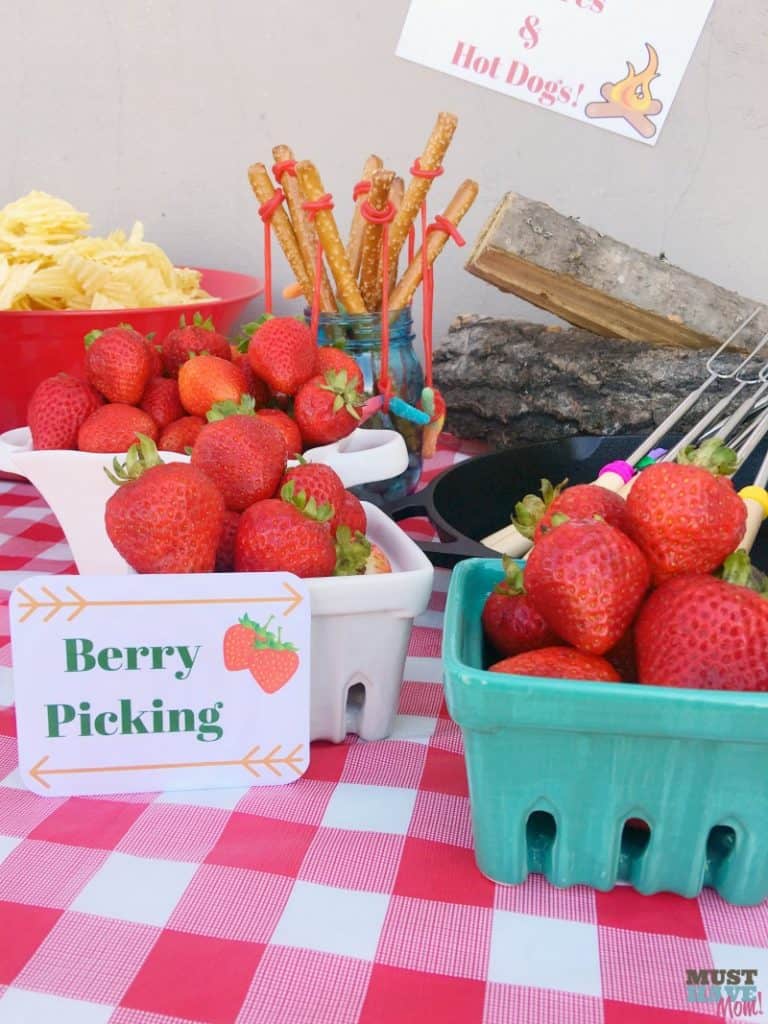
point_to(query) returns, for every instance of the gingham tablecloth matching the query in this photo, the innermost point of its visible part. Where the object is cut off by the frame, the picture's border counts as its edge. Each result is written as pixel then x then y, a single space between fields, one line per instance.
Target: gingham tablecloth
pixel 349 897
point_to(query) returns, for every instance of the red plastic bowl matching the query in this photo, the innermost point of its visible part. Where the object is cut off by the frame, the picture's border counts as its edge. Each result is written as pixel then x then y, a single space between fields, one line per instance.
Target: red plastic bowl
pixel 37 343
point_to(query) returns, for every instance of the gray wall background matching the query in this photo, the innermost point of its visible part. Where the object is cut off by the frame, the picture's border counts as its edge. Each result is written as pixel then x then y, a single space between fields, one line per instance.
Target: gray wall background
pixel 153 109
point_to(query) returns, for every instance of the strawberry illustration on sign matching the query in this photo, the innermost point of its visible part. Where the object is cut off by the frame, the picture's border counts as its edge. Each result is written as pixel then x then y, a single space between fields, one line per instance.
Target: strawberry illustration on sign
pixel 271 660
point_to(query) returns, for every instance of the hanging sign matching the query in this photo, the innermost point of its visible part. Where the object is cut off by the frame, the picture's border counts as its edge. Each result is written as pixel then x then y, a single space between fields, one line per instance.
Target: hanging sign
pixel 616 64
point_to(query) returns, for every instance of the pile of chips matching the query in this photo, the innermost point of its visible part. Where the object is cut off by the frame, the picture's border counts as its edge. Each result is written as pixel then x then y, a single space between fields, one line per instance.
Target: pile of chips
pixel 48 261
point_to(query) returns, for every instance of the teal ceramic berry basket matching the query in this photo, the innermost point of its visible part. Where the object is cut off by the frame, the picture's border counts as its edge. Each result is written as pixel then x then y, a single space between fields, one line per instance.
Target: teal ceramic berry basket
pixel 599 783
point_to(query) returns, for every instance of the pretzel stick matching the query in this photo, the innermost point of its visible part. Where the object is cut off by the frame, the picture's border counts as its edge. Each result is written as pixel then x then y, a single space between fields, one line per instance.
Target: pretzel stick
pixel 396 198
pixel 355 245
pixel 325 223
pixel 416 193
pixel 263 189
pixel 303 229
pixel 435 242
pixel 369 260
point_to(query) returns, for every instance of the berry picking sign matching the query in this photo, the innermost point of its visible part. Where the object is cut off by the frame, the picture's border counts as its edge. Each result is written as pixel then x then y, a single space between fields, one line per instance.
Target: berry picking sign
pixel 159 682
pixel 616 64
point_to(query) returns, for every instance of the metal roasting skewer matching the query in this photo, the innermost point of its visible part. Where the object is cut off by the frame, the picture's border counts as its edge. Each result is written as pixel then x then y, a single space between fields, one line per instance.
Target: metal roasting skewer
pixel 690 400
pixel 750 407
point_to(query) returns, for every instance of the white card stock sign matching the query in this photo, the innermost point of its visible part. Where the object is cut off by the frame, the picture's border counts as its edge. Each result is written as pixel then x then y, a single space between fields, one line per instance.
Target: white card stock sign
pixel 145 683
pixel 616 64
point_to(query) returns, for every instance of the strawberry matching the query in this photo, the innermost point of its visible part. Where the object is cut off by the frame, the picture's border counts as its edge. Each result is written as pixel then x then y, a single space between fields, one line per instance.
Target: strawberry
pixel 273 667
pixel 587 579
pixel 225 554
pixel 287 427
pixel 240 643
pixel 161 400
pixel 510 622
pixel 283 353
pixel 685 519
pixel 351 514
pixel 326 408
pixel 704 632
pixel 559 663
pixel 181 434
pixel 163 517
pixel 243 455
pixel 118 363
pixel 114 428
pixel 157 367
pixel 274 536
pixel 534 514
pixel 377 563
pixel 313 481
pixel 205 380
pixel 192 339
pixel 57 409
pixel 255 386
pixel 329 358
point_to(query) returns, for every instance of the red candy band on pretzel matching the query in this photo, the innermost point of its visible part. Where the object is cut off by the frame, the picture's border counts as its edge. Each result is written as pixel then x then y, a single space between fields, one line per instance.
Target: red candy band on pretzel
pixel 266 210
pixel 441 223
pixel 312 207
pixel 284 167
pixel 362 188
pixel 418 171
pixel 384 217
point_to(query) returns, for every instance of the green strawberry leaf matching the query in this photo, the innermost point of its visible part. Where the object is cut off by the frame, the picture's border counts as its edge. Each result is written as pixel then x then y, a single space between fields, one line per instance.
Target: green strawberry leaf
pixel 531 509
pixel 512 584
pixel 221 410
pixel 738 570
pixel 712 454
pixel 91 336
pixel 140 457
pixel 352 552
pixel 206 324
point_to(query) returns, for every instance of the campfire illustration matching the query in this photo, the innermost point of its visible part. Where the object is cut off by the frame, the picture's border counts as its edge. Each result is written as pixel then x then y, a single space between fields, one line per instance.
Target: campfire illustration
pixel 631 97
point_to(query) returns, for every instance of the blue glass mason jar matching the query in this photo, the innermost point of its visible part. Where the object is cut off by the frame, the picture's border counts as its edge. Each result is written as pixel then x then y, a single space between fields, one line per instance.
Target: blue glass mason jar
pixel 360 336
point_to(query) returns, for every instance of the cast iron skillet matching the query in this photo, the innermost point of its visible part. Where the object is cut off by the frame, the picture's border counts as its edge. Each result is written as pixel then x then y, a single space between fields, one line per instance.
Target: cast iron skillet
pixel 475 498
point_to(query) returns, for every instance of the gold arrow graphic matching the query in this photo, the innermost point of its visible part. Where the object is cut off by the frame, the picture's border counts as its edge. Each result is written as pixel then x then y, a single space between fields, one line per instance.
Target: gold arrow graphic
pixel 77 603
pixel 250 762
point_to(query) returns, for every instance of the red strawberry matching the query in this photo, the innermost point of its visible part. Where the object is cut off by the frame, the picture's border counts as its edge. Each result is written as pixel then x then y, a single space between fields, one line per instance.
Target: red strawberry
pixel 510 622
pixel 313 482
pixel 195 338
pixel 155 357
pixel 559 663
pixel 255 386
pixel 181 434
pixel 225 554
pixel 283 353
pixel 274 536
pixel 329 358
pixel 57 409
pixel 326 408
pixel 161 400
pixel 287 427
pixel 114 428
pixel 704 632
pixel 377 562
pixel 583 501
pixel 587 580
pixel 685 519
pixel 240 643
pixel 205 380
pixel 351 514
pixel 118 363
pixel 164 518
pixel 273 667
pixel 243 455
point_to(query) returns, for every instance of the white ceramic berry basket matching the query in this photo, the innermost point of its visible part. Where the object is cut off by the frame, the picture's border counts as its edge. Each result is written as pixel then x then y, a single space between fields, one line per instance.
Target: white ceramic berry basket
pixel 360 625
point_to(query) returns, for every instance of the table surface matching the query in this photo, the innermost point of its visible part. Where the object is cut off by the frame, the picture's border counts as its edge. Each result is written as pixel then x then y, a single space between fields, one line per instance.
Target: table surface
pixel 350 896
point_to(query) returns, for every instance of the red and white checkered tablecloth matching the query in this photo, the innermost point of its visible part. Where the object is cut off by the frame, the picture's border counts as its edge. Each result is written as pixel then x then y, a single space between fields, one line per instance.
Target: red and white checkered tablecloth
pixel 349 897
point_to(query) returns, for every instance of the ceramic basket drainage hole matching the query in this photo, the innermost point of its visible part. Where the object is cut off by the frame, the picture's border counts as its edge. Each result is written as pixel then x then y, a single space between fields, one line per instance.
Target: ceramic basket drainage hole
pixel 355 705
pixel 540 835
pixel 721 843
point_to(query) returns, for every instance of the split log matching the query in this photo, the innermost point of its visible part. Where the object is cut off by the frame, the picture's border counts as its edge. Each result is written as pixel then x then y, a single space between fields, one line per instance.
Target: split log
pixel 605 286
pixel 514 383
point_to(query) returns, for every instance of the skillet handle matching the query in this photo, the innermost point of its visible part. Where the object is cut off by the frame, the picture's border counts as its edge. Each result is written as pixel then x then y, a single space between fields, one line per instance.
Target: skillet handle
pixel 443 554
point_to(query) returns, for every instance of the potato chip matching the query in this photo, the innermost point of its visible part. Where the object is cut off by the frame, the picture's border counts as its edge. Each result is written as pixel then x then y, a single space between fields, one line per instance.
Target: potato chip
pixel 49 261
